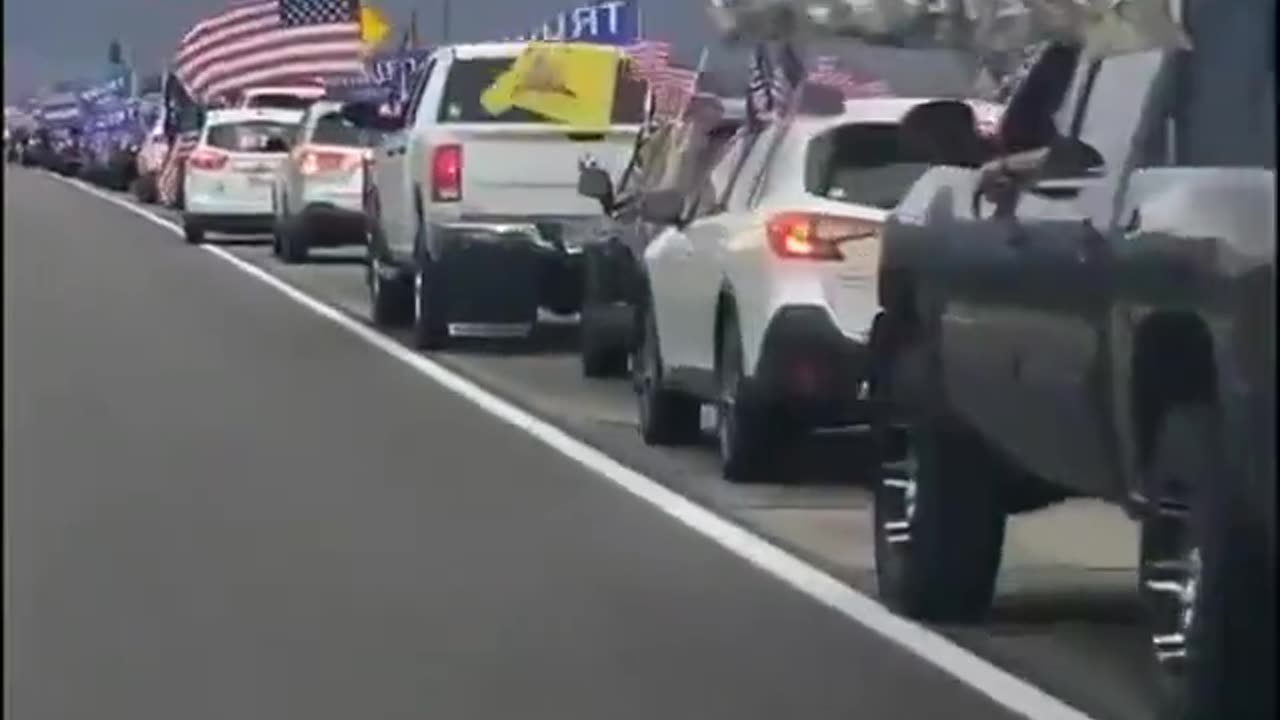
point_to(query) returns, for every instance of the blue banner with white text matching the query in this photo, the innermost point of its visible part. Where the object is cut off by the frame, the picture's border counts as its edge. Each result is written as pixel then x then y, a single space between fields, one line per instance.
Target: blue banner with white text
pixel 606 22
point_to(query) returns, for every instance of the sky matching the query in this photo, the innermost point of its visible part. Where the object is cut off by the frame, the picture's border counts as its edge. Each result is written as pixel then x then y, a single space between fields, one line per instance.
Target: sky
pixel 50 40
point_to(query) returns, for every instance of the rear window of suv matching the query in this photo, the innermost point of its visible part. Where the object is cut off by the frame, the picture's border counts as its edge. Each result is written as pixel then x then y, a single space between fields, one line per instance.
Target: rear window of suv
pixel 333 129
pixel 468 79
pixel 862 164
pixel 250 136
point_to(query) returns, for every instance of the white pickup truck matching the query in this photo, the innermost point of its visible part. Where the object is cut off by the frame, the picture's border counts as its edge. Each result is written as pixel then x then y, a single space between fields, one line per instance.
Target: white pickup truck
pixel 475 218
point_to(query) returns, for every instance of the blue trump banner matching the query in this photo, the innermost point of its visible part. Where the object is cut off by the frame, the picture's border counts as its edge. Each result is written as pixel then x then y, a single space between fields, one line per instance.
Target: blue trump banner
pixel 608 22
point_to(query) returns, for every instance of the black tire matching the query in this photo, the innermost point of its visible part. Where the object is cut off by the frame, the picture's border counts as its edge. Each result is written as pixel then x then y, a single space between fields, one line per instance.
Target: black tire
pixel 667 417
pixel 938 512
pixel 1215 646
pixel 602 356
pixel 193 233
pixel 294 248
pixel 389 298
pixel 430 328
pixel 743 436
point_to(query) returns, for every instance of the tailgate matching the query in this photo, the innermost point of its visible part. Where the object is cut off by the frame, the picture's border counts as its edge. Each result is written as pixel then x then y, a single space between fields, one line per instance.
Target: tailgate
pixel 533 169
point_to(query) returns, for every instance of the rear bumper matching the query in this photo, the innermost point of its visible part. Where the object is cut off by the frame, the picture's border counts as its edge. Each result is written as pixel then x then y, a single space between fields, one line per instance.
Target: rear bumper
pixel 230 223
pixel 326 225
pixel 809 370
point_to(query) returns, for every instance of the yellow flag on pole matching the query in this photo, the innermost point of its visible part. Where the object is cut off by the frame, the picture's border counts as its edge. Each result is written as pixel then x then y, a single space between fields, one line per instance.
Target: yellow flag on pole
pixel 373 26
pixel 570 83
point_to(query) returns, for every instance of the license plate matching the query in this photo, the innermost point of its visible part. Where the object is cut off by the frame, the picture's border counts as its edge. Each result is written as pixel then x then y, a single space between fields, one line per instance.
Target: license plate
pixel 259 181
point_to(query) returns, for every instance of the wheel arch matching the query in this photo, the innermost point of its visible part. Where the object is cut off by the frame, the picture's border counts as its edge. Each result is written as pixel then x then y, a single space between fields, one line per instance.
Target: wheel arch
pixel 1172 365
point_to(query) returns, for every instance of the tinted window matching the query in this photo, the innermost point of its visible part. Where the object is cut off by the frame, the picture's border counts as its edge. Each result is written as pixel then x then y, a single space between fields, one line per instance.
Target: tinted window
pixel 283 101
pixel 333 129
pixel 862 164
pixel 468 79
pixel 250 136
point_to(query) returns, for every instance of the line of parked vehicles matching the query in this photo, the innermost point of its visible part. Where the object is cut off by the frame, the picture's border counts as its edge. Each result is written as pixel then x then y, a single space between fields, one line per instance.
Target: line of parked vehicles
pixel 1080 304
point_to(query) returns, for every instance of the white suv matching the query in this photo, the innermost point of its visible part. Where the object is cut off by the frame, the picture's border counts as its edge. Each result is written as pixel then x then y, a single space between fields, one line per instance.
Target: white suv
pixel 762 289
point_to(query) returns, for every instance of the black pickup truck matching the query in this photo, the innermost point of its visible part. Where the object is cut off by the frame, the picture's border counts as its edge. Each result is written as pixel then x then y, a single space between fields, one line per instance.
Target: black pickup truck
pixel 1088 311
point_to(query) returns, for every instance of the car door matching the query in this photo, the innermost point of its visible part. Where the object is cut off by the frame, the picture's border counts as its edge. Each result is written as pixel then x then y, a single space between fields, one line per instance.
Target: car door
pixel 680 315
pixel 392 173
pixel 977 281
pixel 1062 243
pixel 711 234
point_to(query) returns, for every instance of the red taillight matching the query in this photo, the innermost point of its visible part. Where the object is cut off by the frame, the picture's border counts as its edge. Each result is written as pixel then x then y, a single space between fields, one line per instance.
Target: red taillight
pixel 205 159
pixel 815 237
pixel 321 162
pixel 446 173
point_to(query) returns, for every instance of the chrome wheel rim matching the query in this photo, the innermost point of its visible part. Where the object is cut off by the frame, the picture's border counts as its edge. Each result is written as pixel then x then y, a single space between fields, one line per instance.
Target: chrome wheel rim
pixel 725 412
pixel 899 492
pixel 417 295
pixel 1180 585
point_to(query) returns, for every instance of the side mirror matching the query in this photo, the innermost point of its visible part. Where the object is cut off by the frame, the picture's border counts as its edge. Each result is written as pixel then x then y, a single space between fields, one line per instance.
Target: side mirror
pixel 369 116
pixel 663 207
pixel 594 182
pixel 1071 158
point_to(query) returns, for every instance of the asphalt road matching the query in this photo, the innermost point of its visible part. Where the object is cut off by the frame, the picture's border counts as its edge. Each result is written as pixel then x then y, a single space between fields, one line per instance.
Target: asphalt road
pixel 218 504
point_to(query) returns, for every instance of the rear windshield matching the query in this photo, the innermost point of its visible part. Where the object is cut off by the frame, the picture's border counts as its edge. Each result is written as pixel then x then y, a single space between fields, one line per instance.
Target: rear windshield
pixel 333 129
pixel 283 101
pixel 861 164
pixel 468 79
pixel 250 136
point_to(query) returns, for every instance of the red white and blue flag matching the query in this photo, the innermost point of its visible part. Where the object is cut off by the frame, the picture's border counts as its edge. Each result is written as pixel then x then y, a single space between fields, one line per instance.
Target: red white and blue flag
pixel 270 42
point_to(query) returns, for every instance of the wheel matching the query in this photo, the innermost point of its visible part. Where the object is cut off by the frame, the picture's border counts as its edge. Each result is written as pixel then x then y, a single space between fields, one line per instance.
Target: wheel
pixel 600 357
pixel 389 298
pixel 1208 586
pixel 938 513
pixel 667 417
pixel 293 242
pixel 742 433
pixel 193 233
pixel 430 331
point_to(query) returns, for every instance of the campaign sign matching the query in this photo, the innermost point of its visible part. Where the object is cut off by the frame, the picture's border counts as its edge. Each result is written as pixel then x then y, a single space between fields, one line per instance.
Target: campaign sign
pixel 607 22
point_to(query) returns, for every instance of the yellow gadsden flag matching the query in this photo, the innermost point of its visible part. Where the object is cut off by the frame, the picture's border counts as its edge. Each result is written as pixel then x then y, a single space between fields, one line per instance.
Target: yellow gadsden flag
pixel 564 82
pixel 373 26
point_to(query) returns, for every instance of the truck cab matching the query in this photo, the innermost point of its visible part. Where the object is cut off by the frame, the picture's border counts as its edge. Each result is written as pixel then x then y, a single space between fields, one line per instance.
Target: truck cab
pixel 459 196
pixel 1091 313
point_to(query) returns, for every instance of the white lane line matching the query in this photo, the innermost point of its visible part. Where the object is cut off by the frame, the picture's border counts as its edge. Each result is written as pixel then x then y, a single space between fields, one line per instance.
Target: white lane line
pixel 1004 688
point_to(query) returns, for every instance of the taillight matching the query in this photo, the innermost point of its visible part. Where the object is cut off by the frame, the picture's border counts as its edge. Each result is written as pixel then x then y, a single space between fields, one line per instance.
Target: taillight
pixel 320 162
pixel 815 237
pixel 446 173
pixel 206 159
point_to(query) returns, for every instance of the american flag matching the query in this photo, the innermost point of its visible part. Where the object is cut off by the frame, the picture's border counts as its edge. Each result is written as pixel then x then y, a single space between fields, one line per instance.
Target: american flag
pixel 671 85
pixel 170 182
pixel 262 42
pixel 826 71
pixel 770 82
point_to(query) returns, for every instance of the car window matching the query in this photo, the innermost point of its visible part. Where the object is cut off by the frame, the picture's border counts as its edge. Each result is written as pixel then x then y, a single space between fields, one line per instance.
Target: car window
pixel 249 137
pixel 710 180
pixel 1031 119
pixel 734 156
pixel 862 164
pixel 469 79
pixel 750 178
pixel 333 129
pixel 419 87
pixel 1115 102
